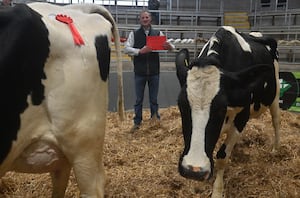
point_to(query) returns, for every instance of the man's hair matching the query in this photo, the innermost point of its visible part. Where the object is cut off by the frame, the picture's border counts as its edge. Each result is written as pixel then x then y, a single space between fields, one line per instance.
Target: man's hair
pixel 145 11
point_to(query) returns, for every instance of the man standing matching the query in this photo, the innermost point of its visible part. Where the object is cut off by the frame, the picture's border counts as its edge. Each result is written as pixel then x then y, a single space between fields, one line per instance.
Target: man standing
pixel 146 66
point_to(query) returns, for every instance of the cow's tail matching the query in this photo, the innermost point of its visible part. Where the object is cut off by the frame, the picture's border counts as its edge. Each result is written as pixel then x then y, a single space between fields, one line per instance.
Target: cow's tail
pixel 92 8
pixel 116 36
pixel 119 71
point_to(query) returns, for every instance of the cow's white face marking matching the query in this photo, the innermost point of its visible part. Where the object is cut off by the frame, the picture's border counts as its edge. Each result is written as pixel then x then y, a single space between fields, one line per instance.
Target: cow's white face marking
pixel 202 87
pixel 244 45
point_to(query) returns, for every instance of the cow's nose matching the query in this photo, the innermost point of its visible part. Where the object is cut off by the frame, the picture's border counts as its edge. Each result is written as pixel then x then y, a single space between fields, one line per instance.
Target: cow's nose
pixel 196 173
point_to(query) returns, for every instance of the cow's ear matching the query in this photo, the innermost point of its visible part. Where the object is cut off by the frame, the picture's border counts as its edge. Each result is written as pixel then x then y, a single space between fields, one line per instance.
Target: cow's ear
pixel 182 62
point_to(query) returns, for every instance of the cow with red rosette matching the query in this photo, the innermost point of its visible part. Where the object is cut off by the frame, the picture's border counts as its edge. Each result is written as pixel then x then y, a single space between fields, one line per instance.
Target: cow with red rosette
pixel 54 69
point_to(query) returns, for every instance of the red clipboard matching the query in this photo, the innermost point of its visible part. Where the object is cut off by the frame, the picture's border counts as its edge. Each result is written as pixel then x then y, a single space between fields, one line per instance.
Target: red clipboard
pixel 156 43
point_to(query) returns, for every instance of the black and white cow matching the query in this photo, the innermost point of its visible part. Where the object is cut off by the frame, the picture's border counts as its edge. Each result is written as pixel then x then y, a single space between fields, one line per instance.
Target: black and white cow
pixel 234 78
pixel 54 93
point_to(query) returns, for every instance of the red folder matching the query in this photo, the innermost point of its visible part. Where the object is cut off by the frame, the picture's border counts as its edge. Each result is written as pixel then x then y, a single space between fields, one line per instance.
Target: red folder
pixel 156 42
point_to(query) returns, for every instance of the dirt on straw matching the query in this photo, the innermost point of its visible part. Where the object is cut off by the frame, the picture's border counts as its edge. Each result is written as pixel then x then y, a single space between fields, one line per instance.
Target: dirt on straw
pixel 144 163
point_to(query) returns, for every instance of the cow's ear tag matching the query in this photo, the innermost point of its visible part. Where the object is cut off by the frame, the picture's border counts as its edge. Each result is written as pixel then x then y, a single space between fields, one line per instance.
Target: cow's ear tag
pixel 186 62
pixel 69 21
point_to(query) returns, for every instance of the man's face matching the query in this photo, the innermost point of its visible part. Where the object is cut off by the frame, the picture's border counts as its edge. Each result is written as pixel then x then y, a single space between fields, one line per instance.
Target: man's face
pixel 145 19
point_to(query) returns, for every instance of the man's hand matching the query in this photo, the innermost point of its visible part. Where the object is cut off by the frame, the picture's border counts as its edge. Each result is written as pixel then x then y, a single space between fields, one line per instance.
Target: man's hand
pixel 145 50
pixel 167 46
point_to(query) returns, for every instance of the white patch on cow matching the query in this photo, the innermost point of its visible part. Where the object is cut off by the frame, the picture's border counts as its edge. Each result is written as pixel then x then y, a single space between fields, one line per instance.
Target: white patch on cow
pixel 244 45
pixel 206 44
pixel 211 42
pixel 256 34
pixel 39 157
pixel 212 52
pixel 202 87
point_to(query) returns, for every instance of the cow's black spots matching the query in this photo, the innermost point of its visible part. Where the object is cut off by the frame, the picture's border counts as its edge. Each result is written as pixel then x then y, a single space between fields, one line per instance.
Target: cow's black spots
pixel 221 154
pixel 24 50
pixel 103 56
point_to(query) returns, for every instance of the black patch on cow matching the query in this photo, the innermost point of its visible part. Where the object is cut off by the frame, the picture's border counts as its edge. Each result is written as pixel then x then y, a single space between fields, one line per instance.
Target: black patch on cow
pixel 221 154
pixel 226 119
pixel 213 128
pixel 242 118
pixel 265 41
pixel 207 61
pixel 103 55
pixel 232 57
pixel 24 50
pixel 251 85
pixel 186 118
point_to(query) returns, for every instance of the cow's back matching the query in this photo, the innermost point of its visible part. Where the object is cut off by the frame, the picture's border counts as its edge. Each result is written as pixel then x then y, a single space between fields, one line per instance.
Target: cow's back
pixel 74 72
pixel 237 51
pixel 240 52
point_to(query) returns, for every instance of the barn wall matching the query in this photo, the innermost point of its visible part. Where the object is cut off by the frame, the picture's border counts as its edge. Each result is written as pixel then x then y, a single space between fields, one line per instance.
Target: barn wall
pixel 229 5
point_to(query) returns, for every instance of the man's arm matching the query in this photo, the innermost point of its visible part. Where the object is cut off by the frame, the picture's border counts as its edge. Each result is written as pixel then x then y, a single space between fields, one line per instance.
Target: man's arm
pixel 129 49
pixel 167 45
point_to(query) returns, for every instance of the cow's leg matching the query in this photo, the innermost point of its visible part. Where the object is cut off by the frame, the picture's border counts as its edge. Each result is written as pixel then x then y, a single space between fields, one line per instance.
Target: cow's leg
pixel 87 160
pixel 275 110
pixel 233 133
pixel 60 180
pixel 90 176
pixel 275 113
pixel 222 160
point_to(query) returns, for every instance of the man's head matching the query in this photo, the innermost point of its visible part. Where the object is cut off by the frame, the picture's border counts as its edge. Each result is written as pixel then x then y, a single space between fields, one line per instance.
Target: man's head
pixel 145 19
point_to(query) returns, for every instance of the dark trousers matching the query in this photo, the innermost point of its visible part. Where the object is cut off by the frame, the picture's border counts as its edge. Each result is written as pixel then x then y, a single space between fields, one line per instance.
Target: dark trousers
pixel 153 86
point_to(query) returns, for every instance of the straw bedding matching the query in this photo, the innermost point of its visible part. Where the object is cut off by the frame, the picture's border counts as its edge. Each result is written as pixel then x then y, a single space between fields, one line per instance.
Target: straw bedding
pixel 144 163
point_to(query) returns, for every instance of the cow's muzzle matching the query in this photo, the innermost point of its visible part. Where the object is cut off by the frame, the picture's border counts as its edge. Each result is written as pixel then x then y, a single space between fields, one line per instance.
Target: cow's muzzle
pixel 195 173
